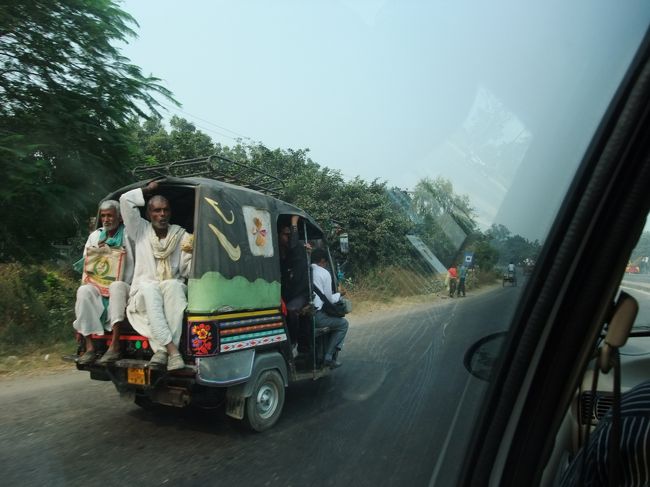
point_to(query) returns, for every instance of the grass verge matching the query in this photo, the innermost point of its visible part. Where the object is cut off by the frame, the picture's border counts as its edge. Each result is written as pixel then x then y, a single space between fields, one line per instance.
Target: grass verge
pixel 37 360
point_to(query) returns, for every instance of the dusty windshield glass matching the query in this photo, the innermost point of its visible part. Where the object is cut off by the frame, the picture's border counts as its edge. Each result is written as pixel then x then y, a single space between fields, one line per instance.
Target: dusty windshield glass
pixel 428 144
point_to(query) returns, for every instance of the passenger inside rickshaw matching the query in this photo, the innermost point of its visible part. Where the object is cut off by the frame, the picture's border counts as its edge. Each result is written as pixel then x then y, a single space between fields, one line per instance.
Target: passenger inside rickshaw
pixel 182 200
pixel 295 278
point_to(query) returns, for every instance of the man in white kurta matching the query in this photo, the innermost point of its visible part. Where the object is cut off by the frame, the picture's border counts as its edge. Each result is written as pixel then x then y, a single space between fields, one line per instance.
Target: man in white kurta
pixel 162 261
pixel 93 317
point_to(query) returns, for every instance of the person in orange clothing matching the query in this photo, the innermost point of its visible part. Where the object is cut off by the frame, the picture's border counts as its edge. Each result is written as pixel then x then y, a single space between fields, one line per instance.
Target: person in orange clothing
pixel 452 276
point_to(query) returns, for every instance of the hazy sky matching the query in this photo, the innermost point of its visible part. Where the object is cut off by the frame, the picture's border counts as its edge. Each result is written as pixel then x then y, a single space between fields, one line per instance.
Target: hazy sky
pixel 398 89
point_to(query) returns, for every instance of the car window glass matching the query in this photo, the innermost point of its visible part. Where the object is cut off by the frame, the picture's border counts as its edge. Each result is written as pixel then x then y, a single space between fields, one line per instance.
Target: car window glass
pixel 434 143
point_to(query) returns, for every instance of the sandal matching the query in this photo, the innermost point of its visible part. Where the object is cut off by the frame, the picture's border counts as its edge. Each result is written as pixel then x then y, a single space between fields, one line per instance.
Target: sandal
pixel 87 358
pixel 175 362
pixel 159 358
pixel 109 357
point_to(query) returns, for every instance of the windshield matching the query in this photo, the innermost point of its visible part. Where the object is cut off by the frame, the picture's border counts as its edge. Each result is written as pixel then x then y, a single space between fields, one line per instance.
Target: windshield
pixel 433 142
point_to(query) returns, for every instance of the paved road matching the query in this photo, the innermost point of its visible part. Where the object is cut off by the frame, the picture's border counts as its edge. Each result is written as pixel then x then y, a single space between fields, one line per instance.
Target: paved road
pixel 638 285
pixel 381 419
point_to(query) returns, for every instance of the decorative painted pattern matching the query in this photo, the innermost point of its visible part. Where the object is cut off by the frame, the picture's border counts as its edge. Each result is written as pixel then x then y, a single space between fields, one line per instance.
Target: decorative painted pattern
pixel 241 332
pixel 241 345
pixel 209 335
pixel 201 339
pixel 253 321
pixel 230 316
pixel 248 329
pixel 246 336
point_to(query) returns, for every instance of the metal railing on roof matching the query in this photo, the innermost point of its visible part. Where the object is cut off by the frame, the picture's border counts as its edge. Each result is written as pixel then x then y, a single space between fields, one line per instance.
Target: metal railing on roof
pixel 219 168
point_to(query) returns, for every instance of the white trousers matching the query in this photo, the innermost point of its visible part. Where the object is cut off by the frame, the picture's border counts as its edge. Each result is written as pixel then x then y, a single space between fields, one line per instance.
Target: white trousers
pixel 156 311
pixel 89 308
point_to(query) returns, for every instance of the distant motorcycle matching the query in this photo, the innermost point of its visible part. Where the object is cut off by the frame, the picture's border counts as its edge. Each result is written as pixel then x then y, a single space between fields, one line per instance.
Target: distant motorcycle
pixel 509 277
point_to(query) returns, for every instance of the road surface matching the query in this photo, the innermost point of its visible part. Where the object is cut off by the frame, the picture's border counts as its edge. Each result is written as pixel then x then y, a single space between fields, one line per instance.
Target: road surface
pixel 381 419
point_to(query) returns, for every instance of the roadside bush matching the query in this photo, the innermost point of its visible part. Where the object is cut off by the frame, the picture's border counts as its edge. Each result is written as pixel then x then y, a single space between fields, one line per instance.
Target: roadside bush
pixel 487 277
pixel 385 283
pixel 36 305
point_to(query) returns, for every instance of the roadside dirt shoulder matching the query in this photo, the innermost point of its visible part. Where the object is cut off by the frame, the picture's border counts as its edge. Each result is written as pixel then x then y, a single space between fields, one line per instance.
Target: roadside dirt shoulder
pixel 366 309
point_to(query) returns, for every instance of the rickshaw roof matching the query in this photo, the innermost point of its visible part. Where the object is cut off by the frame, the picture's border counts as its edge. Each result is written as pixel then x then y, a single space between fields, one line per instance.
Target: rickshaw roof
pixel 245 195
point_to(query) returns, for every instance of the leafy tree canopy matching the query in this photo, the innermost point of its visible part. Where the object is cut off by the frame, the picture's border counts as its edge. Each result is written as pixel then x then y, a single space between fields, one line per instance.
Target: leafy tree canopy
pixel 511 248
pixel 66 96
pixel 364 210
pixel 156 145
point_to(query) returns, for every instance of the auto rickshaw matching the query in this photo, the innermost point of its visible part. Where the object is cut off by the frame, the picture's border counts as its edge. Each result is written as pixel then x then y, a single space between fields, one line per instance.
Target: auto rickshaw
pixel 236 342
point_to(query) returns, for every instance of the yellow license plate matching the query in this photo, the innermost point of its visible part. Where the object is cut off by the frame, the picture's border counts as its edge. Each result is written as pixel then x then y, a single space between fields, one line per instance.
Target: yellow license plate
pixel 136 376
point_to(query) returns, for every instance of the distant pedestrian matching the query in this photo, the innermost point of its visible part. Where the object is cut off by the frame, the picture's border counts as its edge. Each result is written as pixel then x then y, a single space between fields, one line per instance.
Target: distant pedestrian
pixel 452 276
pixel 462 275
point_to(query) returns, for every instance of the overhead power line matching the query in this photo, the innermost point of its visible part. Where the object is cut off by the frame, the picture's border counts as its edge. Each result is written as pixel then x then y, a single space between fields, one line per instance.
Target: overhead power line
pixel 237 134
pixel 231 137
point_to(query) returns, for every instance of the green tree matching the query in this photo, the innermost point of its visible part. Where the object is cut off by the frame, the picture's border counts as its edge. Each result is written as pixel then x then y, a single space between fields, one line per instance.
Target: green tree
pixel 66 98
pixel 376 231
pixel 156 145
pixel 509 247
pixel 498 232
pixel 485 255
pixel 187 141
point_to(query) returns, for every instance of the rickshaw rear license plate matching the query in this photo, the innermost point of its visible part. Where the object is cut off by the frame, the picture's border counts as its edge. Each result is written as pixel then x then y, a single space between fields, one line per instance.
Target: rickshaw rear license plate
pixel 136 376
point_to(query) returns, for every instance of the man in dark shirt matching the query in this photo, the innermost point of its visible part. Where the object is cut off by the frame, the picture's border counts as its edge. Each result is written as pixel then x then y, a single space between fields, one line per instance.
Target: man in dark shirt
pixel 294 267
pixel 633 451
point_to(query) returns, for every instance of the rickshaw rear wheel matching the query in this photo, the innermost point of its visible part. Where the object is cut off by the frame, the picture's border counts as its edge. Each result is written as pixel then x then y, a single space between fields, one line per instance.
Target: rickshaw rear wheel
pixel 264 406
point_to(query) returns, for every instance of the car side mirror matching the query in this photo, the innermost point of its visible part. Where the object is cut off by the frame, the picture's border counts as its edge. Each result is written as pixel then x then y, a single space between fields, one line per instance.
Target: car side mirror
pixel 481 358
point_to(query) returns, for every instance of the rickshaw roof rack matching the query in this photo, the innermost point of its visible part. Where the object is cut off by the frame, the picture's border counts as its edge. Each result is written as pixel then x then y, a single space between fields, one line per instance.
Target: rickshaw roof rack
pixel 219 168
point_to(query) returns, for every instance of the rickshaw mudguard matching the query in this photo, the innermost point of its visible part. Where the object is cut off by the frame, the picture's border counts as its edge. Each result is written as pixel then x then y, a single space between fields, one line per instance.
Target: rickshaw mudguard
pixel 225 369
pixel 236 395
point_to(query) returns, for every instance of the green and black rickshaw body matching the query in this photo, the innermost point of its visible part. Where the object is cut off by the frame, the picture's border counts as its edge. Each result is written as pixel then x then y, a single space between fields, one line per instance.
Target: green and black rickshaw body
pixel 235 329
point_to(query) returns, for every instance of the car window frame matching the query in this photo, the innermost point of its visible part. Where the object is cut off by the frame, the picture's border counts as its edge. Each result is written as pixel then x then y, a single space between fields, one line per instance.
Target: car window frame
pixel 574 282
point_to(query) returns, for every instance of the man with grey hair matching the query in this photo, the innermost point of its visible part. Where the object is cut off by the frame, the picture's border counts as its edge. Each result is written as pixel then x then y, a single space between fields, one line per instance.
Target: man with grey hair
pixel 101 306
pixel 163 256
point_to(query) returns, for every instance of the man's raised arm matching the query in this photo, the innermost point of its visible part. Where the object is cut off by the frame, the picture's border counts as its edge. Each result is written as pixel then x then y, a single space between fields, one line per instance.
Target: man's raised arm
pixel 129 204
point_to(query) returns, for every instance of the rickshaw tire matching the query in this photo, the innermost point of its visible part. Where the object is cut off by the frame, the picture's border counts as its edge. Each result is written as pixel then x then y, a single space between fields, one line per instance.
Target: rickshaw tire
pixel 264 406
